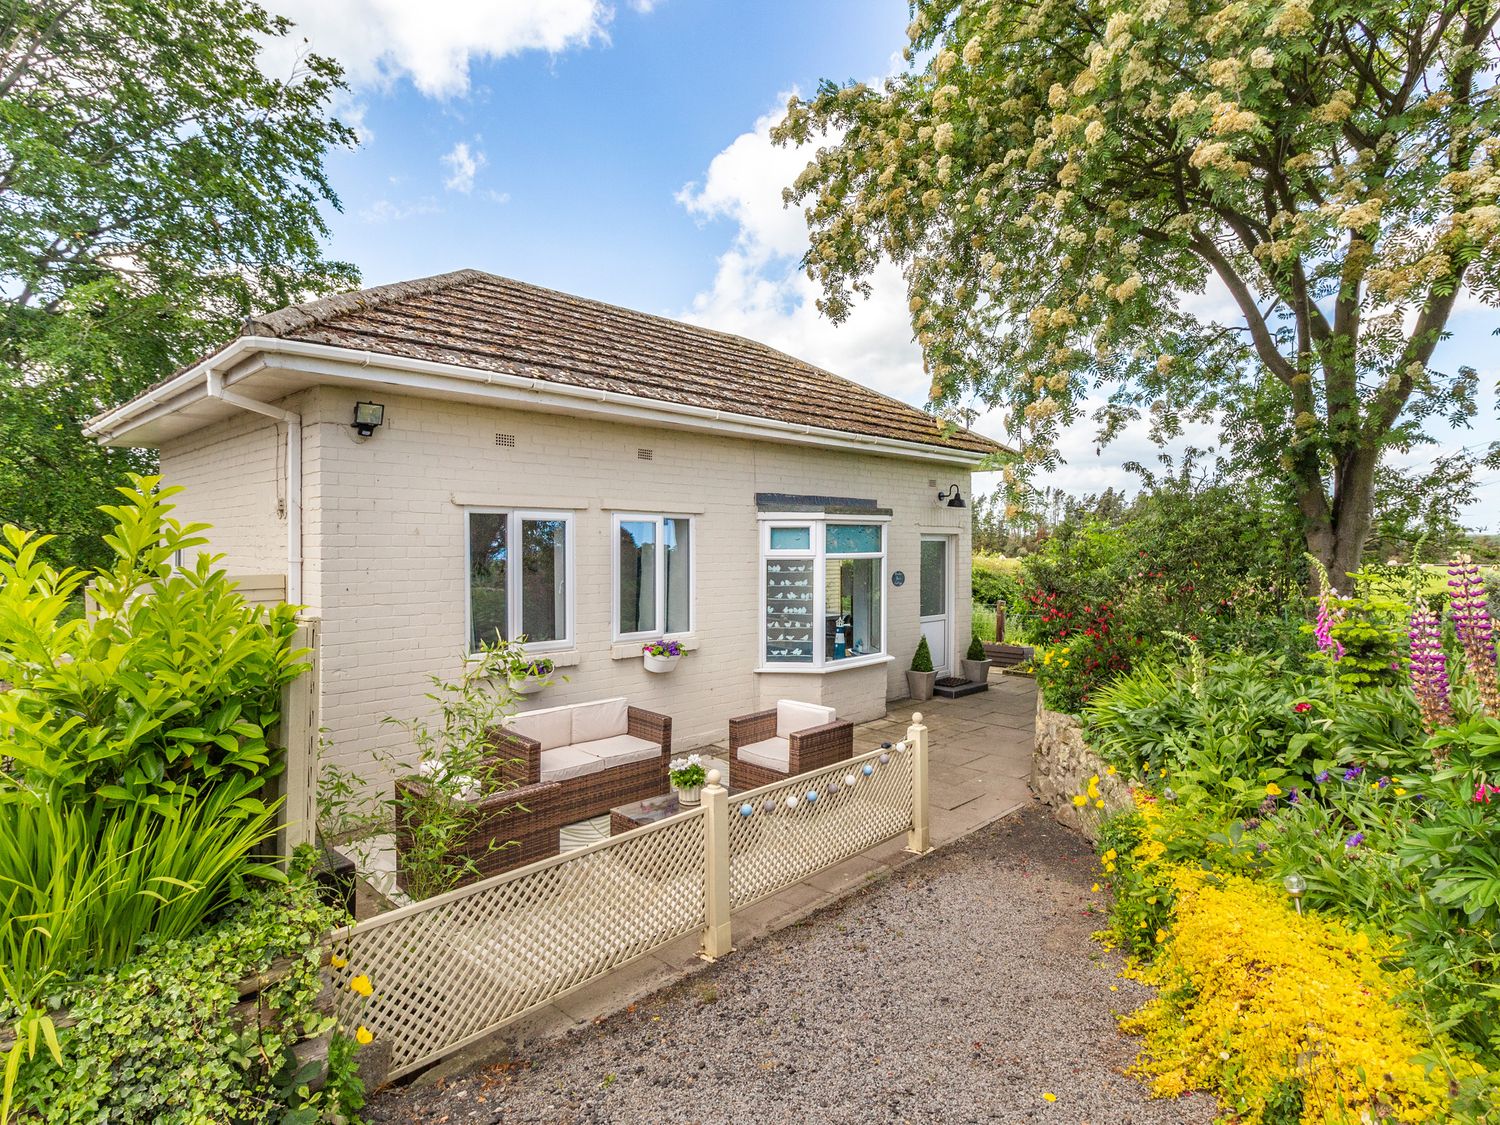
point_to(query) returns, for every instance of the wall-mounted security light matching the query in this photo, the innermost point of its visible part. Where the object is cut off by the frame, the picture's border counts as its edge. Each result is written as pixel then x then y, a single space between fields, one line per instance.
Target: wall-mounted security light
pixel 367 416
pixel 951 495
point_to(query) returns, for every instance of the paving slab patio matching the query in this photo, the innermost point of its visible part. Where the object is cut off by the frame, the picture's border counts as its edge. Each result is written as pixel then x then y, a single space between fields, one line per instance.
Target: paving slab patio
pixel 979 762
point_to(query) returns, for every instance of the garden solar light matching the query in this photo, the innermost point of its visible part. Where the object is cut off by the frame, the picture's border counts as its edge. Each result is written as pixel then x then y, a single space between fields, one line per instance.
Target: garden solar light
pixel 367 416
pixel 951 495
pixel 1296 886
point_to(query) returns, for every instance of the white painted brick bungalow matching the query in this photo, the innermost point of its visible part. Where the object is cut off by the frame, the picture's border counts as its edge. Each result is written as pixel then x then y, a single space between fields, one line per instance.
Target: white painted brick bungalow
pixel 586 475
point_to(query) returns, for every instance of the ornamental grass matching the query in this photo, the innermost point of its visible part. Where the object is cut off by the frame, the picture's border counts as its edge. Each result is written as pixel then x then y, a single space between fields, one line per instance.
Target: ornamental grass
pixel 1285 1017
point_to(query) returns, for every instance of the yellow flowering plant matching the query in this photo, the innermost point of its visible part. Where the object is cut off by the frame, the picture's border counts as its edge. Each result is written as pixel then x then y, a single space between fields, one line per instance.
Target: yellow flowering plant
pixel 1284 1017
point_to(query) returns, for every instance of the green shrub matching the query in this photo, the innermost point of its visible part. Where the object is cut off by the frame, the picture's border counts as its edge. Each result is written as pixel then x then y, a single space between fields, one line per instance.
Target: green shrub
pixel 168 686
pixel 976 649
pixel 153 1040
pixel 921 660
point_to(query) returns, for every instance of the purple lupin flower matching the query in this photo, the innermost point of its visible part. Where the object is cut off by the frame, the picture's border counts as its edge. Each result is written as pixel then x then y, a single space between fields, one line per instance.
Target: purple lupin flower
pixel 1475 629
pixel 1429 670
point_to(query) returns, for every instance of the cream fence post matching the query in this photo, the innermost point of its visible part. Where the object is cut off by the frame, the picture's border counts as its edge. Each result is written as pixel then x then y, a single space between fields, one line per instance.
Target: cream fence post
pixel 298 783
pixel 716 939
pixel 919 838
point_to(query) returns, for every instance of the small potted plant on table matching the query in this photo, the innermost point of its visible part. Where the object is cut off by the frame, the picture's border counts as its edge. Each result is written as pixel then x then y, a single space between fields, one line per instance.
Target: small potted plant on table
pixel 662 655
pixel 920 677
pixel 976 665
pixel 687 776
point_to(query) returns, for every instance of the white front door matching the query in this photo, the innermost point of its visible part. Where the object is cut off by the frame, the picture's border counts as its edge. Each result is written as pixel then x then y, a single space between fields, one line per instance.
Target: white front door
pixel 936 597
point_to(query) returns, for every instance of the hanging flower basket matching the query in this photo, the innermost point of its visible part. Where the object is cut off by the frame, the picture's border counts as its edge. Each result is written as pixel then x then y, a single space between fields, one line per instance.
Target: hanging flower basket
pixel 661 656
pixel 531 678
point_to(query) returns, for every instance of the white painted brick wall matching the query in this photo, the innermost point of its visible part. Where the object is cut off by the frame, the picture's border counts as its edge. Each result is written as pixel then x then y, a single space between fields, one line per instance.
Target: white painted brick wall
pixel 385 550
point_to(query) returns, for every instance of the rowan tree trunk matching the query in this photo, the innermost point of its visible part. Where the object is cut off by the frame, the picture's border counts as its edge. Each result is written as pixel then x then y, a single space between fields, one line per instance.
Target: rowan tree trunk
pixel 1336 531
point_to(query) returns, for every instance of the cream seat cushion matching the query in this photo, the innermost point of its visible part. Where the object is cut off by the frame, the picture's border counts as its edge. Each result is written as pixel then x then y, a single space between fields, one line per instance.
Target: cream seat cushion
pixel 792 716
pixel 565 762
pixel 619 749
pixel 770 754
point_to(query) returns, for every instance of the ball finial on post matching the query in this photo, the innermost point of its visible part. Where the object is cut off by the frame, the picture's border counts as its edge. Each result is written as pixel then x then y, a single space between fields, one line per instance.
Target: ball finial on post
pixel 713 778
pixel 916 717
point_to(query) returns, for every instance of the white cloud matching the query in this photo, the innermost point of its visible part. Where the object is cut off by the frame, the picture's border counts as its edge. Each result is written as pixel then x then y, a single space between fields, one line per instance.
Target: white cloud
pixel 433 43
pixel 463 165
pixel 385 211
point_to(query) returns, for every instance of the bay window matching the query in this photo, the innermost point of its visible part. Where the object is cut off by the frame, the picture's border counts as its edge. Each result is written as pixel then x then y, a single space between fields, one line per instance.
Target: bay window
pixel 653 576
pixel 520 578
pixel 823 583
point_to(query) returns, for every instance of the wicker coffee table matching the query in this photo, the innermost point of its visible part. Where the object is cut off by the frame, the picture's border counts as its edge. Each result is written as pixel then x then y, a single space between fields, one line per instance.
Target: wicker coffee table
pixel 623 818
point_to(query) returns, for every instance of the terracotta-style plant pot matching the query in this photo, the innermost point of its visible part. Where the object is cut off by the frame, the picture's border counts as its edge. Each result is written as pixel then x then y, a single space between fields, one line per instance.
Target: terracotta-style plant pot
pixel 919 685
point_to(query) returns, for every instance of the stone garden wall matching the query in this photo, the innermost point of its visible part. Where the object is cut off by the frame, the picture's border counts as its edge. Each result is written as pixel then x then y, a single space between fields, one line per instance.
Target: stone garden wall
pixel 1061 765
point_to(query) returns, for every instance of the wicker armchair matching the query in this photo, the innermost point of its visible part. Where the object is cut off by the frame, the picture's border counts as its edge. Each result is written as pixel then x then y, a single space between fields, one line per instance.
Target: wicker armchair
pixel 510 827
pixel 786 740
pixel 526 762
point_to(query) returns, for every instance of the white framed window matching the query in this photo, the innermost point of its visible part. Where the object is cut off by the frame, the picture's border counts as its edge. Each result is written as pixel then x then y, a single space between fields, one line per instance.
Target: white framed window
pixel 822 591
pixel 520 577
pixel 653 575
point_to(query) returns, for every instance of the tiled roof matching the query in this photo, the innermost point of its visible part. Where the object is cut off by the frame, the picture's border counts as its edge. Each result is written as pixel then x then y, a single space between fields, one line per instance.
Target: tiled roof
pixel 475 319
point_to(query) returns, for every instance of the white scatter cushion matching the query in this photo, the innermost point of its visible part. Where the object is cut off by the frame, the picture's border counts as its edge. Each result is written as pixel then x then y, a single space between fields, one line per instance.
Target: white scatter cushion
pixel 552 727
pixel 604 719
pixel 619 750
pixel 567 762
pixel 792 716
pixel 771 754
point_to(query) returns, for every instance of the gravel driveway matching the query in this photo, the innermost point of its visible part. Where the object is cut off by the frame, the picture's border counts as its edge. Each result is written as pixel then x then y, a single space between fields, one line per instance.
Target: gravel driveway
pixel 961 989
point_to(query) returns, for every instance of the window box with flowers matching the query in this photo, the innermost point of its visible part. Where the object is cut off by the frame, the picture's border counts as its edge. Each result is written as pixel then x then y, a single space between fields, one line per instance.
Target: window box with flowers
pixel 528 676
pixel 661 655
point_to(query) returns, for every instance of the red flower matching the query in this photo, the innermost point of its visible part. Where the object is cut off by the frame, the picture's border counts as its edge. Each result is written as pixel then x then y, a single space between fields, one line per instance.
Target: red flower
pixel 1302 707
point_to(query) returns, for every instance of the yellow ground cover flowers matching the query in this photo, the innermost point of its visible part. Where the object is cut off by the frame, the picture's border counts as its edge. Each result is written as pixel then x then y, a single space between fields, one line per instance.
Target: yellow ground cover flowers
pixel 1273 1012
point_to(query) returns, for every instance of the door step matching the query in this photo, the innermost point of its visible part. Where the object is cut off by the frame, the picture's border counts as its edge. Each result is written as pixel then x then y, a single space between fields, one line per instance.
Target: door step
pixel 952 687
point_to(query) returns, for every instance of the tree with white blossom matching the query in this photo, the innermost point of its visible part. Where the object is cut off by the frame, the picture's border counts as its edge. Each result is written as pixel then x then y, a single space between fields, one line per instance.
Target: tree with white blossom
pixel 1055 178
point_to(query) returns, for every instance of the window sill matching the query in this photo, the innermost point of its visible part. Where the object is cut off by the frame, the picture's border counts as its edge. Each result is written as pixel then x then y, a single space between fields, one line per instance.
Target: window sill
pixel 830 668
pixel 631 650
pixel 561 658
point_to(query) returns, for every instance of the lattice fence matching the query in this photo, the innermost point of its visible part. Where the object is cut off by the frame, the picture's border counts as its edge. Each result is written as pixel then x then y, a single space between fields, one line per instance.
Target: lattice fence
pixel 447 971
pixel 781 833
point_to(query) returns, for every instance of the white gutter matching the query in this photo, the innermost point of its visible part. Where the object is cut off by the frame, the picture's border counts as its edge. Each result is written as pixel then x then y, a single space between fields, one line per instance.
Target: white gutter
pixel 214 387
pixel 429 375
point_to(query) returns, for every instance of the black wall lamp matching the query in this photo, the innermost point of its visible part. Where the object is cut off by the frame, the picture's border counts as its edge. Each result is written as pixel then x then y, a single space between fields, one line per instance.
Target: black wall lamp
pixel 367 416
pixel 951 495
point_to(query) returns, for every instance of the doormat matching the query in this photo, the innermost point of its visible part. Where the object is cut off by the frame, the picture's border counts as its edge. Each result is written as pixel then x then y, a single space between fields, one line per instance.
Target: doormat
pixel 952 687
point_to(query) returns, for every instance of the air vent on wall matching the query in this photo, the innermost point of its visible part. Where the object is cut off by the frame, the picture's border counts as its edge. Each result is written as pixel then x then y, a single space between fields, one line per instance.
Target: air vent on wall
pixel 643 454
pixel 930 484
pixel 507 440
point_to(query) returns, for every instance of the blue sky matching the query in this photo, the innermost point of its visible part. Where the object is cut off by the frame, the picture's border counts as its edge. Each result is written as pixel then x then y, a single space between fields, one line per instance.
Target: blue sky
pixel 620 152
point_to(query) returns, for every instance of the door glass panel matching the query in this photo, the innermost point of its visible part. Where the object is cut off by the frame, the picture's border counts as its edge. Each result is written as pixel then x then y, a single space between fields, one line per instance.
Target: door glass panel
pixel 934 596
pixel 678 548
pixel 486 578
pixel 637 576
pixel 544 579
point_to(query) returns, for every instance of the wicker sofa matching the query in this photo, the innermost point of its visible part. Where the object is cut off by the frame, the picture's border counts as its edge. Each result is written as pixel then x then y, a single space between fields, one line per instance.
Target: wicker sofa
pixel 511 827
pixel 786 740
pixel 601 754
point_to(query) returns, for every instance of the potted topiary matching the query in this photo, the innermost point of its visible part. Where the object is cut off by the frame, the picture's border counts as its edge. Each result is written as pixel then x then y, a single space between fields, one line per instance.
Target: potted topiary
pixel 920 677
pixel 976 665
